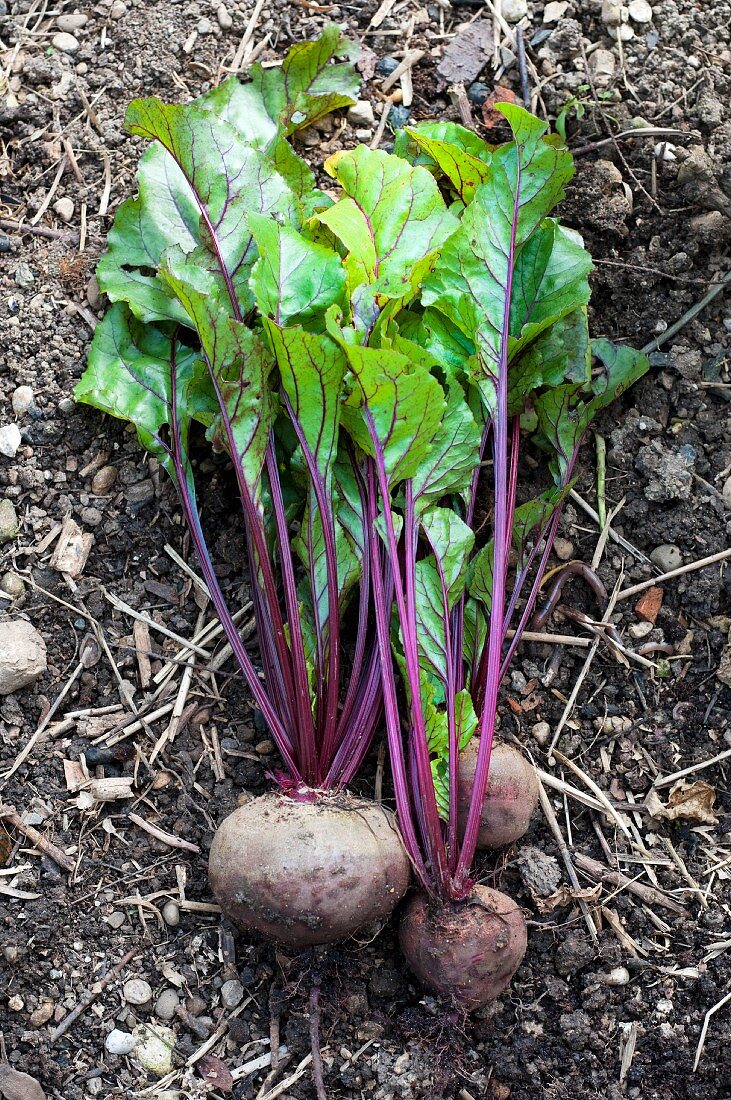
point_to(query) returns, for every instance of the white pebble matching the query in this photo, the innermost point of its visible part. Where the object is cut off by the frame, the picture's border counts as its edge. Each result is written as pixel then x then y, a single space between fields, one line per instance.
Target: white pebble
pixel 171 914
pixel 611 13
pixel 22 400
pixel 65 42
pixel 541 731
pixel 137 992
pixel 640 11
pixel 564 548
pixel 204 26
pixel 118 10
pixel 361 113
pixel 225 21
pixel 619 976
pixel 9 440
pixel 120 1042
pixel 554 11
pixel 624 32
pixel 74 21
pixel 640 630
pixel 65 209
pixel 514 10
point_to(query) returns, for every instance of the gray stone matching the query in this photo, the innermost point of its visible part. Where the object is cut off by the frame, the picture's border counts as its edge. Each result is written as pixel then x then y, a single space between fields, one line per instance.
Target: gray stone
pixel 65 42
pixel 361 113
pixel 666 557
pixel 137 992
pixel 22 400
pixel 204 26
pixel 155 1044
pixel 118 10
pixel 669 471
pixel 225 21
pixel 539 871
pixel 23 275
pixel 22 655
pixel 232 993
pixel 611 13
pixel 120 1042
pixel 640 11
pixel 573 954
pixel 71 22
pixel 9 525
pixel 166 1004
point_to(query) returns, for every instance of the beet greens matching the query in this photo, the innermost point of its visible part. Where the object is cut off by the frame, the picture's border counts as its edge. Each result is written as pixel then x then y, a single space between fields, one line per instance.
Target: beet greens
pixel 374 367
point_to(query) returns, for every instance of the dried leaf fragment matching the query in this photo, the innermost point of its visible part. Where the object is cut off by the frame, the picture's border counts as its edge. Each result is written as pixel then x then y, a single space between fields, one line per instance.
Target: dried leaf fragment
pixel 565 895
pixel 215 1073
pixel 689 801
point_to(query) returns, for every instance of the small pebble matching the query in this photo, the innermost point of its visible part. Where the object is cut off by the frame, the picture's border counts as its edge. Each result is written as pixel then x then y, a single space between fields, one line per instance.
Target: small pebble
pixel 91 517
pixel 93 295
pixel 542 732
pixel 361 113
pixel 554 11
pixel 16 1003
pixel 514 10
pixel 640 630
pixel 12 585
pixel 611 13
pixel 71 22
pixel 120 1042
pixel 116 919
pixel 65 42
pixel 386 65
pixel 623 32
pixel 232 993
pixel 4 243
pixel 666 557
pixel 726 492
pixel 195 1005
pixel 103 480
pixel 166 1004
pixel 22 400
pixel 564 549
pixel 204 26
pixel 42 1014
pixel 24 277
pixel 66 406
pixel 11 953
pixel 154 1050
pixel 118 10
pixel 619 976
pixel 640 11
pixel 9 525
pixel 225 21
pixel 477 93
pixel 399 117
pixel 9 440
pixel 137 992
pixel 65 209
pixel 171 914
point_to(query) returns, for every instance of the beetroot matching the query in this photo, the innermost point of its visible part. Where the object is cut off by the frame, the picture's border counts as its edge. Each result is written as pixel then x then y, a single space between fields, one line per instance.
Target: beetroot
pixel 465 950
pixel 512 794
pixel 308 872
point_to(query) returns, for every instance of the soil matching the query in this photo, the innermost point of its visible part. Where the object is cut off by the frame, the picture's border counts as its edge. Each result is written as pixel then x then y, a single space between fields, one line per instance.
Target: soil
pixel 621 1016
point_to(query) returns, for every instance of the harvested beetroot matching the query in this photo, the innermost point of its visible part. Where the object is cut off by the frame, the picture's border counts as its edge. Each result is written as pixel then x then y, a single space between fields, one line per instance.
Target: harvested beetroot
pixel 304 872
pixel 512 794
pixel 467 951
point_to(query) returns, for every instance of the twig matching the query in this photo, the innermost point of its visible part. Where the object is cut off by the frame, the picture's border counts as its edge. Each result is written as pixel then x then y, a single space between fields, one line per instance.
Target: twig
pixel 685 873
pixel 160 834
pixel 640 131
pixel 596 791
pixel 124 607
pixel 620 541
pixel 317 1074
pixel 596 870
pixel 90 995
pixel 692 312
pixel 408 63
pixel 701 564
pixel 566 857
pixel 11 815
pixel 704 1029
pixel 666 780
pixel 520 50
pixel 69 235
pixel 601 479
pixel 50 192
pixel 585 670
pixel 381 128
pixel 288 1081
pixel 240 56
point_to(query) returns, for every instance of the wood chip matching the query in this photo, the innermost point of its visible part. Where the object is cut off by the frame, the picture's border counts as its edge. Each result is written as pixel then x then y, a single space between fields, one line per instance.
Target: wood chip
pixel 72 549
pixel 466 55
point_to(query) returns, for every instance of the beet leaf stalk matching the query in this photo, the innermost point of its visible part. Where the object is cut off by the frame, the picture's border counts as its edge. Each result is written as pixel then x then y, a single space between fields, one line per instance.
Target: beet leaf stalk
pixel 486 352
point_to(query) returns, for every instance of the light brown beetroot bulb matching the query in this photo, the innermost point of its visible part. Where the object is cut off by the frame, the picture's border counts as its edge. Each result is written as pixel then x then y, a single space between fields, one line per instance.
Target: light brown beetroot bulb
pixel 512 794
pixel 467 951
pixel 303 873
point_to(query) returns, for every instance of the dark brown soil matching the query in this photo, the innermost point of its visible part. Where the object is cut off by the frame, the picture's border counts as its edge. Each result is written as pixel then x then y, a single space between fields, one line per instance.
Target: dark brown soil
pixel 657 219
